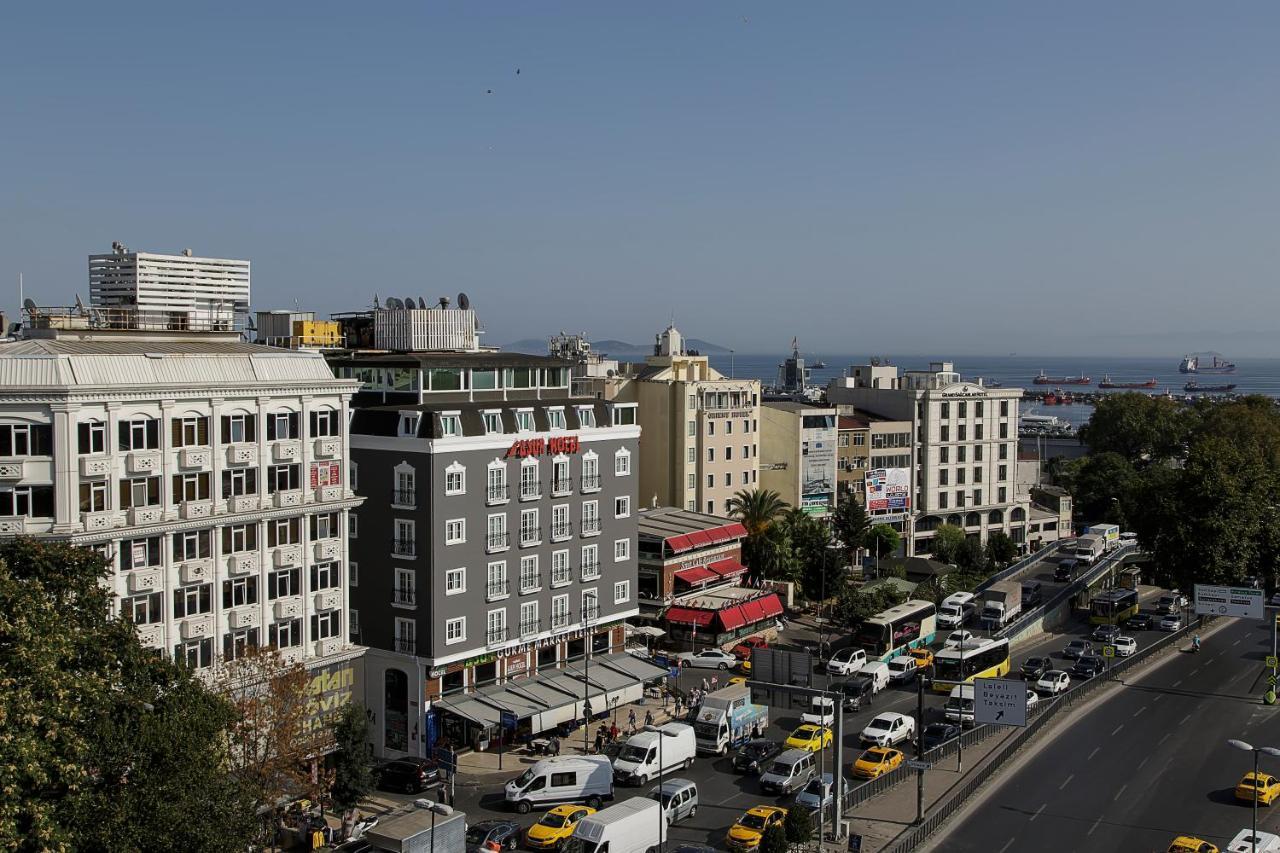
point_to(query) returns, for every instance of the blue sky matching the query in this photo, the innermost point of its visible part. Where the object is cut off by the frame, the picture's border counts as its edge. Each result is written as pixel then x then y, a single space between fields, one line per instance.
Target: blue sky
pixel 897 177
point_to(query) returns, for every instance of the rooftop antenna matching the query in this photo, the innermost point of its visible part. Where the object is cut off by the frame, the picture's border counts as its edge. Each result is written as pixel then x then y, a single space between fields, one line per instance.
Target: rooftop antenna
pixel 376 300
pixel 444 302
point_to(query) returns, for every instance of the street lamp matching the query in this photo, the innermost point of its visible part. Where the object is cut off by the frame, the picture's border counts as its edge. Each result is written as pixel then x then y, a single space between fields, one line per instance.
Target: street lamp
pixel 1269 750
pixel 662 809
pixel 435 809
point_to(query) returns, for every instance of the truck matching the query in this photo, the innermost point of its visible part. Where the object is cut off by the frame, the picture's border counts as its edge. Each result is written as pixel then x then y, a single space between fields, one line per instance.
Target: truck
pixel 631 826
pixel 420 830
pixel 1110 534
pixel 728 718
pixel 1001 603
pixel 649 753
pixel 1089 549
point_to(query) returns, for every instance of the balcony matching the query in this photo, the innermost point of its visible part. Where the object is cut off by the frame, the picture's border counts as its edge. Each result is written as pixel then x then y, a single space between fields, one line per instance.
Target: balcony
pixel 146 515
pixel 560 579
pixel 243 617
pixel 242 454
pixel 591 527
pixel 324 494
pixel 142 462
pixel 404 499
pixel 590 614
pixel 145 580
pixel 530 491
pixel 495 636
pixel 287 555
pixel 286 451
pixel 404 596
pixel 195 509
pixel 529 628
pixel 100 520
pixel 196 571
pixel 530 536
pixel 242 564
pixel 288 608
pixel 328 549
pixel 496 590
pixel 327 448
pixel 406 646
pixel 591 483
pixel 561 486
pixel 91 466
pixel 496 542
pixel 243 503
pixel 330 599
pixel 404 547
pixel 14 469
pixel 561 532
pixel 151 635
pixel 288 499
pixel 559 620
pixel 496 495
pixel 194 457
pixel 591 571
pixel 329 646
pixel 196 628
pixel 14 525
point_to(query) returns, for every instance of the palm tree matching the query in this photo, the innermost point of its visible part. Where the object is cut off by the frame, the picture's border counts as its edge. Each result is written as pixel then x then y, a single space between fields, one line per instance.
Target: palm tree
pixel 757 509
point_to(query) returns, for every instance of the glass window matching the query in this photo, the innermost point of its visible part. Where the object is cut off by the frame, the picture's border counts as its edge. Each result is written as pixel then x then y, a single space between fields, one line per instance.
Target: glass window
pixel 484 380
pixel 621 592
pixel 282 426
pixel 140 434
pixel 93 437
pixel 492 423
pixel 586 417
pixel 455 581
pixel 455 630
pixel 524 421
pixel 621 550
pixel 455 480
pixel 455 531
pixel 450 425
pixel 555 418
pixel 445 379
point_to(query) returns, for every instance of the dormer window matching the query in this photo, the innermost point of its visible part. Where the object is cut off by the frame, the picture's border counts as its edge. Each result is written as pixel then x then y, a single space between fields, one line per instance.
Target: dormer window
pixel 492 423
pixel 555 418
pixel 450 424
pixel 524 420
pixel 586 417
pixel 408 425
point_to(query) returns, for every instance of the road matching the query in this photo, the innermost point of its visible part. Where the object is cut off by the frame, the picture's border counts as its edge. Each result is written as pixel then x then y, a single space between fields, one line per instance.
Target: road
pixel 1144 765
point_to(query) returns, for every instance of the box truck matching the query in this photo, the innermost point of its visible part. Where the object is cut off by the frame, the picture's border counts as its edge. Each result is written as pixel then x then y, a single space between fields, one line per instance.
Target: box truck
pixel 727 719
pixel 1089 549
pixel 1109 533
pixel 1001 603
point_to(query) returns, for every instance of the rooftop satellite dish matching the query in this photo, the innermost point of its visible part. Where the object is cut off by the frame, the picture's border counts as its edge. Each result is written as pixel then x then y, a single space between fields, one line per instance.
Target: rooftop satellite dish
pixel 79 305
pixel 408 303
pixel 391 302
pixel 396 303
pixel 29 305
pixel 464 301
pixel 422 302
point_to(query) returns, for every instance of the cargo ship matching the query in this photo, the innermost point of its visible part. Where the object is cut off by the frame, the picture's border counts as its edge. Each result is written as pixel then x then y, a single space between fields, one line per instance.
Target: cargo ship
pixel 1107 383
pixel 1194 387
pixel 1206 362
pixel 1042 379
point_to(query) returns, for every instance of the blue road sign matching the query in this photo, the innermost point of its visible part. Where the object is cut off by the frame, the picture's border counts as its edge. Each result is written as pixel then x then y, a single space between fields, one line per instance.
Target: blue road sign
pixel 509 720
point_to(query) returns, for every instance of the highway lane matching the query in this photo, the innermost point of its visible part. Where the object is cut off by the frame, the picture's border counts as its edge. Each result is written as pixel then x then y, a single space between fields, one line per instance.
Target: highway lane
pixel 1142 766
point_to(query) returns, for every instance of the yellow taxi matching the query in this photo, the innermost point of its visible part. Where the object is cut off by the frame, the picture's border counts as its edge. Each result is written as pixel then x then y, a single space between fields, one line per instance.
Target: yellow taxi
pixel 923 656
pixel 1191 844
pixel 876 761
pixel 555 827
pixel 1265 788
pixel 810 737
pixel 737 679
pixel 749 830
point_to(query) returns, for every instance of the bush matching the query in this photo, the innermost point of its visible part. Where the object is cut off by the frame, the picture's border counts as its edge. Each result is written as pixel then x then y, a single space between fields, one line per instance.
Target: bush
pixel 798 825
pixel 774 841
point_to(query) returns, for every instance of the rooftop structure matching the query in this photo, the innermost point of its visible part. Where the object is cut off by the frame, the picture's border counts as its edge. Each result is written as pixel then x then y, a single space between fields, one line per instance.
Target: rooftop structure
pixel 182 291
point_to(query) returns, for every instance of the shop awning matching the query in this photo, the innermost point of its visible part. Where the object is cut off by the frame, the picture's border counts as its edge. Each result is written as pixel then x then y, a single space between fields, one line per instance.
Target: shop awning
pixel 696 574
pixel 689 616
pixel 468 708
pixel 753 611
pixel 731 618
pixel 632 666
pixel 726 568
pixel 771 604
pixel 679 544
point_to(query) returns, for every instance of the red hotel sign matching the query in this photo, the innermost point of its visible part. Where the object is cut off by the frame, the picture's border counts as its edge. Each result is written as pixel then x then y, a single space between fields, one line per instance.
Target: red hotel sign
pixel 543 446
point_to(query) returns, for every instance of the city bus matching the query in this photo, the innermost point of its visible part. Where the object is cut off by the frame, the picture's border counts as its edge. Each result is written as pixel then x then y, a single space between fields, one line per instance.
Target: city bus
pixel 889 634
pixel 1113 606
pixel 980 659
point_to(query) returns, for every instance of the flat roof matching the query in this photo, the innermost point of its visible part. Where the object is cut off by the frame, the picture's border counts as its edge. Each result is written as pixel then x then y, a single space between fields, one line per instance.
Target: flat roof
pixel 661 522
pixel 796 406
pixel 433 359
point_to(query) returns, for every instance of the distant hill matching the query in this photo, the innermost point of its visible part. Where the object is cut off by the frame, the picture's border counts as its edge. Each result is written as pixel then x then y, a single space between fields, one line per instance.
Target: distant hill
pixel 538 346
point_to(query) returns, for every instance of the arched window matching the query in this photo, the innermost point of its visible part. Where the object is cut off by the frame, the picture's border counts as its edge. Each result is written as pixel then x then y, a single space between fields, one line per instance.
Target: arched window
pixel 996 516
pixel 973 519
pixel 1017 514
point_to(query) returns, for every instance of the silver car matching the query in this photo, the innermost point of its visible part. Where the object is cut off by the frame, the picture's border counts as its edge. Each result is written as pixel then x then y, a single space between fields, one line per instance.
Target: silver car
pixel 817 794
pixel 679 798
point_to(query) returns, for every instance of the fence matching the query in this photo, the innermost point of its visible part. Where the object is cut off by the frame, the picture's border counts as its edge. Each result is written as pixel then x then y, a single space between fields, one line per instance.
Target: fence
pixel 1046 713
pixel 1005 574
pixel 1017 626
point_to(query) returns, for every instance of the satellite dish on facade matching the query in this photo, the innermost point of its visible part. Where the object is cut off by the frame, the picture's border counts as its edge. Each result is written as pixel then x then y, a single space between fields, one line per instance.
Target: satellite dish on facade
pixel 30 306
pixel 396 303
pixel 464 301
pixel 408 303
pixel 422 302
pixel 390 303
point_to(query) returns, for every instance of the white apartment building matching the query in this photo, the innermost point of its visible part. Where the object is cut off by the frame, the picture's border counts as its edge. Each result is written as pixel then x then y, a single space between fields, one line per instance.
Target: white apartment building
pixel 212 472
pixel 962 468
pixel 171 291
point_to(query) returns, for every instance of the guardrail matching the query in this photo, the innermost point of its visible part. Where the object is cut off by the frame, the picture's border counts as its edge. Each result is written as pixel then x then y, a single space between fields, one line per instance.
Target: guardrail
pixel 1006 573
pixel 1047 711
pixel 1083 582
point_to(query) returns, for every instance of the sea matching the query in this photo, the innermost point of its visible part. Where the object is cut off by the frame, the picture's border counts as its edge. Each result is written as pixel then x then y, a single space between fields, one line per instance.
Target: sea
pixel 1252 376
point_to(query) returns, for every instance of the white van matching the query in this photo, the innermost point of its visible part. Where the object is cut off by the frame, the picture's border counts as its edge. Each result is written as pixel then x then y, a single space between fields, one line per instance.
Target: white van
pixel 822 711
pixel 955 609
pixel 638 760
pixel 847 661
pixel 960 705
pixel 631 826
pixel 1254 842
pixel 878 671
pixel 563 779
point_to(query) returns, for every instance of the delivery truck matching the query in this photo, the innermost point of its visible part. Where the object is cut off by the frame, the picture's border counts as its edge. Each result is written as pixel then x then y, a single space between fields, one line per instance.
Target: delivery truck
pixel 1109 533
pixel 642 757
pixel 1001 603
pixel 1089 549
pixel 727 719
pixel 631 826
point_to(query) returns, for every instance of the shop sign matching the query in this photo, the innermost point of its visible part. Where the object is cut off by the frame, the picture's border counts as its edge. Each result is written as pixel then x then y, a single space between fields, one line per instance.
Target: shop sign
pixel 551 446
pixel 746 413
pixel 516 665
pixel 329 690
pixel 326 474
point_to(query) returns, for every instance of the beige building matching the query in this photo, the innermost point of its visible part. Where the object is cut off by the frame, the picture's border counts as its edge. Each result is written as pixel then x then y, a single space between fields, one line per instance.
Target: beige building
pixel 798 454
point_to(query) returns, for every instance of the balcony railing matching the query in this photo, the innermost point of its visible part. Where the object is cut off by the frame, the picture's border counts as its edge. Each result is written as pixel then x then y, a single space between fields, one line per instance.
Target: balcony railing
pixel 406 645
pixel 530 536
pixel 497 589
pixel 497 494
pixel 494 636
pixel 560 532
pixel 561 486
pixel 496 542
pixel 530 584
pixel 590 613
pixel 530 627
pixel 403 547
pixel 404 497
pixel 530 491
pixel 404 595
pixel 590 482
pixel 590 571
pixel 559 578
pixel 590 526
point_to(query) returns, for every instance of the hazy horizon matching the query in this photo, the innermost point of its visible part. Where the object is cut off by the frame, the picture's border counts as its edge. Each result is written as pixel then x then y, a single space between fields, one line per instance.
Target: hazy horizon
pixel 1061 179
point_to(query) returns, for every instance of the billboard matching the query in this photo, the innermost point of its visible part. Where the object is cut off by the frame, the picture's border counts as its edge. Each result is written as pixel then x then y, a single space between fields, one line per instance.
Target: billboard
pixel 888 489
pixel 818 476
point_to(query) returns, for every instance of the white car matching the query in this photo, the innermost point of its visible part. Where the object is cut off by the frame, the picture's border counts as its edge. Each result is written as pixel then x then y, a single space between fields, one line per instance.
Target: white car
pixel 1128 537
pixel 1053 682
pixel 1125 646
pixel 847 661
pixel 822 712
pixel 903 668
pixel 889 729
pixel 1032 698
pixel 707 659
pixel 955 638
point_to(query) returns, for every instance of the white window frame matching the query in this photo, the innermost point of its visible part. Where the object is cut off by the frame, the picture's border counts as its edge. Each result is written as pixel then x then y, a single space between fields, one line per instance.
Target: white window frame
pixel 590 469
pixel 591 512
pixel 561 485
pixel 528 615
pixel 493 625
pixel 455 581
pixel 534 532
pixel 496 488
pixel 455 531
pixel 458 470
pixel 622 506
pixel 621 550
pixel 556 418
pixel 524 420
pixel 495 576
pixel 559 611
pixel 622 592
pixel 561 571
pixel 586 417
pixel 592 595
pixel 622 462
pixel 406 630
pixel 408 427
pixel 492 418
pixel 529 570
pixel 590 574
pixel 560 518
pixel 534 490
pixel 411 586
pixel 455 631
pixel 450 424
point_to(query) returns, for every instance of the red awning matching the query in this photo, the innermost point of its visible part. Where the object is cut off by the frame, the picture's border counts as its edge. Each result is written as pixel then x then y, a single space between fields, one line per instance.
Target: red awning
pixel 679 544
pixel 732 618
pixel 753 611
pixel 771 605
pixel 733 531
pixel 696 574
pixel 689 616
pixel 701 538
pixel 726 568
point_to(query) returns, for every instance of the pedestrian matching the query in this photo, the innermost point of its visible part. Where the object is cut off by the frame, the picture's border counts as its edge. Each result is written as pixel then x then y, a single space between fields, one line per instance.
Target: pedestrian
pixel 613 731
pixel 715 679
pixel 555 745
pixel 648 718
pixel 600 739
pixel 631 720
pixel 705 685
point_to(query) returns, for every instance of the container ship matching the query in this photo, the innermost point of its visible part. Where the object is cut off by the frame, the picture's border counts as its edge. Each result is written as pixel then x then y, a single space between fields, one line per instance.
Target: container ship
pixel 1206 362
pixel 1194 387
pixel 1042 379
pixel 1107 383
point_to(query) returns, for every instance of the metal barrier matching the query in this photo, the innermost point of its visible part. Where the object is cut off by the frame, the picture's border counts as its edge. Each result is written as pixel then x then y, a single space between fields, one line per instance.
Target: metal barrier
pixel 917 834
pixel 1005 574
pixel 1083 582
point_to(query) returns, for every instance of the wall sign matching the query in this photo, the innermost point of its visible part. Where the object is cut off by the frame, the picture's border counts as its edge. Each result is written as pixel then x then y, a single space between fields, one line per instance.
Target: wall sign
pixel 551 446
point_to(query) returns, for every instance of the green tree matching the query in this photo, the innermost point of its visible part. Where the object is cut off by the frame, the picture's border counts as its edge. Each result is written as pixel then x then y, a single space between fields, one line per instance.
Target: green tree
pixel 851 525
pixel 947 540
pixel 763 551
pixel 972 557
pixel 883 540
pixel 757 509
pixel 821 574
pixel 352 762
pixel 931 589
pixel 797 825
pixel 1002 551
pixel 774 840
pixel 1139 428
pixel 106 744
pixel 854 605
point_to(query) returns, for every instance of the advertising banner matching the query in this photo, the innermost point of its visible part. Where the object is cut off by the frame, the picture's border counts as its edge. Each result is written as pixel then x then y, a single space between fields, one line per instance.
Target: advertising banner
pixel 888 489
pixel 819 472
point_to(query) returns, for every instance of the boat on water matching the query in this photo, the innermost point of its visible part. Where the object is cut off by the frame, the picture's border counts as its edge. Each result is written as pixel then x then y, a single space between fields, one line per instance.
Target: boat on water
pixel 1058 397
pixel 1206 362
pixel 819 364
pixel 1042 379
pixel 1107 383
pixel 1194 387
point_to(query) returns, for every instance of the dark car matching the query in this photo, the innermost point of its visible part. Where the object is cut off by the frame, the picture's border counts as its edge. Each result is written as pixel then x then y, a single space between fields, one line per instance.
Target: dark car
pixel 1033 668
pixel 1087 667
pixel 1139 622
pixel 755 755
pixel 505 833
pixel 411 775
pixel 1065 571
pixel 1077 649
pixel 858 691
pixel 936 734
pixel 1105 634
